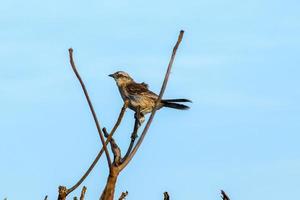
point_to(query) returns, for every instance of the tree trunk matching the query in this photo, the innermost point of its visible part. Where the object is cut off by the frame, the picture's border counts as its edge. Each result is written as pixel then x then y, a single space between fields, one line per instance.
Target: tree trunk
pixel 109 190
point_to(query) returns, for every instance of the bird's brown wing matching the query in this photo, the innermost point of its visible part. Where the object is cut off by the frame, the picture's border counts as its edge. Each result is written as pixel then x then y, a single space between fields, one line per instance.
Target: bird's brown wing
pixel 135 90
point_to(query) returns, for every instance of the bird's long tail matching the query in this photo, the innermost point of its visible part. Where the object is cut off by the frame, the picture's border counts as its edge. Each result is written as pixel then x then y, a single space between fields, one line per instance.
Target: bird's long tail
pixel 172 103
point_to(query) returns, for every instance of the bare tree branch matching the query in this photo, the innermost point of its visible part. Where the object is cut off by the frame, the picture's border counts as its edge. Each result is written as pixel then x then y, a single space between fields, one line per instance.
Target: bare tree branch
pixel 121 115
pixel 162 90
pixel 114 148
pixel 224 195
pixel 83 191
pixel 133 137
pixel 114 167
pixel 166 196
pixel 123 195
pixel 62 193
pixel 90 105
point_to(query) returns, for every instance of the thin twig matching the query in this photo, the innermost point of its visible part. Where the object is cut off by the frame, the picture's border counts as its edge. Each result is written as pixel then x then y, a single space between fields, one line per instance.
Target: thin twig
pixel 90 105
pixel 123 195
pixel 162 90
pixel 114 148
pixel 46 197
pixel 133 137
pixel 121 115
pixel 166 196
pixel 83 191
pixel 224 196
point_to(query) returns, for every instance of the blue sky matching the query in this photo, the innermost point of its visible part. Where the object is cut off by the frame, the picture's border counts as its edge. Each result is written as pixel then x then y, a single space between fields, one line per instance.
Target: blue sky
pixel 238 62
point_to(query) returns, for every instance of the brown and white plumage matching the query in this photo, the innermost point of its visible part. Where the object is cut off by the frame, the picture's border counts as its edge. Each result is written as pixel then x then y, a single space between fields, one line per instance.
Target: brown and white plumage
pixel 140 97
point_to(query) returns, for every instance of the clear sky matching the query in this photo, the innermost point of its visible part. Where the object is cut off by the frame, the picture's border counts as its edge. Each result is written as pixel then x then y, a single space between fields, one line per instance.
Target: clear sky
pixel 238 62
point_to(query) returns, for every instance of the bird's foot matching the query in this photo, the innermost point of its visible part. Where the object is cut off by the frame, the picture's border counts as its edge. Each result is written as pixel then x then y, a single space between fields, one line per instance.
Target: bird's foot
pixel 140 118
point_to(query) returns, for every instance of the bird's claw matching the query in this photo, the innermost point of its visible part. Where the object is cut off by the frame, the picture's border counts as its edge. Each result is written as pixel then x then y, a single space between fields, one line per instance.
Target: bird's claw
pixel 140 118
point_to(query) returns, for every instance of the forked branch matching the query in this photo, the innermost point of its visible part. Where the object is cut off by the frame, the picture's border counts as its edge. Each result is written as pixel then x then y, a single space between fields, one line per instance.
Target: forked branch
pixel 115 169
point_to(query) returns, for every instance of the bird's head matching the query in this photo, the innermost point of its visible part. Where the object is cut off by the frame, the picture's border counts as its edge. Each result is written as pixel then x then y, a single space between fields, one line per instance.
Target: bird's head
pixel 121 78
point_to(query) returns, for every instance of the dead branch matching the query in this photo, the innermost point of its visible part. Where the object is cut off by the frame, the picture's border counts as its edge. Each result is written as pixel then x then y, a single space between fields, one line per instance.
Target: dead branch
pixel 114 148
pixel 121 115
pixel 83 191
pixel 133 137
pixel 162 90
pixel 166 196
pixel 224 196
pixel 62 193
pixel 90 105
pixel 109 190
pixel 123 195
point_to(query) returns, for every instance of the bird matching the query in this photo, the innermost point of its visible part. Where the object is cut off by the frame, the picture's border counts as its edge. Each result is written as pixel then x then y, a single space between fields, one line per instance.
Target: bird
pixel 142 100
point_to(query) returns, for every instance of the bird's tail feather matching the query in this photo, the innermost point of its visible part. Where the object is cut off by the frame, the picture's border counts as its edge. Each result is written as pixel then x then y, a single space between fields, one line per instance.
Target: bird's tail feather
pixel 177 100
pixel 170 103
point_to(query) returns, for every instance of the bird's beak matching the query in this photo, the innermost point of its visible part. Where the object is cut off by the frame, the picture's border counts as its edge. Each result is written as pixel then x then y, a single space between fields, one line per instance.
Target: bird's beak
pixel 112 75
